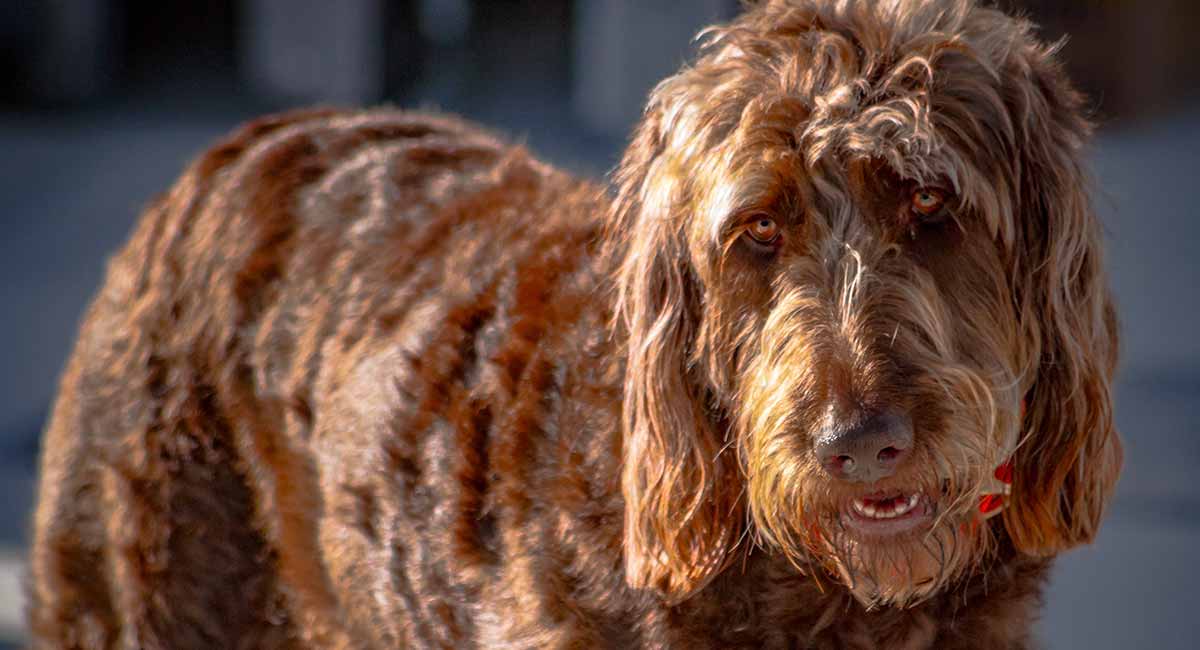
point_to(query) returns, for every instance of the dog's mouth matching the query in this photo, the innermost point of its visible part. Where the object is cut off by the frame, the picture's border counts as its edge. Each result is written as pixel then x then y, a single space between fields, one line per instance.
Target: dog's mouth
pixel 888 513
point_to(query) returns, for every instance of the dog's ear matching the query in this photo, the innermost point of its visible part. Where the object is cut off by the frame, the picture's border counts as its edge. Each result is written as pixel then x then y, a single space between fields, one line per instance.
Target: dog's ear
pixel 1067 463
pixel 682 513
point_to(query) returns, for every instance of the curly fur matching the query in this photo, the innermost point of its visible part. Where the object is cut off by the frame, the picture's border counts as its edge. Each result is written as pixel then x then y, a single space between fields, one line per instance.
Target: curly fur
pixel 380 379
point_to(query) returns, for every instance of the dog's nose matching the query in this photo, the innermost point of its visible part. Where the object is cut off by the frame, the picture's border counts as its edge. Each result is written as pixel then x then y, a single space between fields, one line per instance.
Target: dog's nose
pixel 867 451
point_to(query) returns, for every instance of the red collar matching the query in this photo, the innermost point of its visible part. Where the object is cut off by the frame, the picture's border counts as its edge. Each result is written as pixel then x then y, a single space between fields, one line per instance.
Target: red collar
pixel 996 497
pixel 991 503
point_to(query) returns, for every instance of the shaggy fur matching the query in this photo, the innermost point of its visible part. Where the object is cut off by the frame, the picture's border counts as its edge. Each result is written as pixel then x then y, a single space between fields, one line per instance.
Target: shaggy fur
pixel 381 379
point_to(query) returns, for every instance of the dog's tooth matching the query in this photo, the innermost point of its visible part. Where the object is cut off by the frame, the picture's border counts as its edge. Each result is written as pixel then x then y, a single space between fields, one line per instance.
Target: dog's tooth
pixel 889 508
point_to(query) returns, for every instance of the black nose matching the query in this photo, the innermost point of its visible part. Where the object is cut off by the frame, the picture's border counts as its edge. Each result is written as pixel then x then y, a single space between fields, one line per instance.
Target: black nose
pixel 867 450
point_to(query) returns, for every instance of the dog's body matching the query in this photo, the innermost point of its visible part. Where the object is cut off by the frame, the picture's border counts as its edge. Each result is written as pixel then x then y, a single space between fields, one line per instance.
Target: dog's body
pixel 355 382
pixel 382 417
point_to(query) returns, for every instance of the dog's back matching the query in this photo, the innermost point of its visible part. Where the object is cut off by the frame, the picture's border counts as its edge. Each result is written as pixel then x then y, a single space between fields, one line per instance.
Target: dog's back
pixel 280 405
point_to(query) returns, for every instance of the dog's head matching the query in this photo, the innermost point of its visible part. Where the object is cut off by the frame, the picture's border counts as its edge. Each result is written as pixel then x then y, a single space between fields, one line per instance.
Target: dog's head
pixel 862 289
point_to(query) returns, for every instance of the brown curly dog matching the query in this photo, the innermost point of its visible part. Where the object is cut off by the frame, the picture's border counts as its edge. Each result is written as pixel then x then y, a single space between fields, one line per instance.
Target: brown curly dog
pixel 830 369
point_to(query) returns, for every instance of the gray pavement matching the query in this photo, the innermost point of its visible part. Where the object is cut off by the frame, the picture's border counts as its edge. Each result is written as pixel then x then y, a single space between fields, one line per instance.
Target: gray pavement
pixel 72 185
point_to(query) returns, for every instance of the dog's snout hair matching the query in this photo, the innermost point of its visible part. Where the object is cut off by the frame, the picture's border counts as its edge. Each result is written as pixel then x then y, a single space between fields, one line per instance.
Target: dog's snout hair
pixel 828 365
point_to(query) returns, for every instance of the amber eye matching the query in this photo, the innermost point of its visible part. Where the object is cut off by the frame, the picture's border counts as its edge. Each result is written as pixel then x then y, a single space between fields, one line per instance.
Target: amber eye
pixel 928 202
pixel 763 230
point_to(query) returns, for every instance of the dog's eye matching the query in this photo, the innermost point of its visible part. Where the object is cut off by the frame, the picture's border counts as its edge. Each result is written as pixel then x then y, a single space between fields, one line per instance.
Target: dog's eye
pixel 928 204
pixel 763 230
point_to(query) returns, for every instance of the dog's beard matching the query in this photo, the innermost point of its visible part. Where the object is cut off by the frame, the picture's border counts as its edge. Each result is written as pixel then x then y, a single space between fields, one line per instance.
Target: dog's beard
pixel 808 516
pixel 898 570
pixel 902 571
pixel 802 512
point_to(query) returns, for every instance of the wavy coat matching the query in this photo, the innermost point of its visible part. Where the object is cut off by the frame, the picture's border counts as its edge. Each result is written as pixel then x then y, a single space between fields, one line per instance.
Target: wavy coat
pixel 381 379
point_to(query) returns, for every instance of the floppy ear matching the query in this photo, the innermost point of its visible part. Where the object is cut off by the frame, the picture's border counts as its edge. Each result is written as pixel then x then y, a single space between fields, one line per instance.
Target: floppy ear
pixel 1066 466
pixel 682 512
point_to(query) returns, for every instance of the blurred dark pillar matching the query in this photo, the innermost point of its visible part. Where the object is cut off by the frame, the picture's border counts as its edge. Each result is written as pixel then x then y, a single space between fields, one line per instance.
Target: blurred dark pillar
pixel 624 47
pixel 1134 59
pixel 403 52
pixel 73 56
pixel 520 47
pixel 315 50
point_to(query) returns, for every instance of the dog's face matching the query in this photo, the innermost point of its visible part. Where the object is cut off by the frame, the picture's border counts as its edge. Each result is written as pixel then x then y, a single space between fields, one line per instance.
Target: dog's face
pixel 860 280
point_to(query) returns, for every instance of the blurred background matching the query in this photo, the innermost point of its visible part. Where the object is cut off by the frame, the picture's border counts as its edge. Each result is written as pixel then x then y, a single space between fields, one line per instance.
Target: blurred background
pixel 104 101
